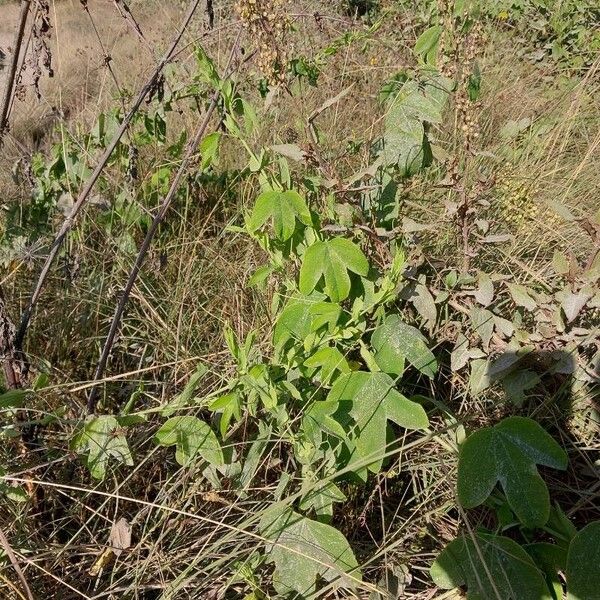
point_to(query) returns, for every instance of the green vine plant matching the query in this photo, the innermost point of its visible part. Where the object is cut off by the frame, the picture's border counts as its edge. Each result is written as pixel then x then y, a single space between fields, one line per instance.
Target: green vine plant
pixel 331 387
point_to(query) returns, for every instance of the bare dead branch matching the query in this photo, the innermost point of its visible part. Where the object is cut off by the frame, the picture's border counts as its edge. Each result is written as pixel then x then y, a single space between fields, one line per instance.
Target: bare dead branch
pixel 83 196
pixel 12 71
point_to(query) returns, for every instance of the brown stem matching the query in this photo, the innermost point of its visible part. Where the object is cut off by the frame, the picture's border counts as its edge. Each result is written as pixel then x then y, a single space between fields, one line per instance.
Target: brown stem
pixel 12 71
pixel 15 563
pixel 13 369
pixel 464 226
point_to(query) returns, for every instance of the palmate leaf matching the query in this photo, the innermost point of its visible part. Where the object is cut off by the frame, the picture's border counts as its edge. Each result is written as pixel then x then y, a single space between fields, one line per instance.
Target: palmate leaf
pixel 330 360
pixel 304 550
pixel 191 438
pixel 297 319
pixel 325 313
pixel 508 453
pixel 492 568
pixel 363 402
pixel 284 208
pixel 331 260
pixel 394 341
pixel 321 498
pixel 583 564
pixel 101 439
pixel 293 322
pixel 405 140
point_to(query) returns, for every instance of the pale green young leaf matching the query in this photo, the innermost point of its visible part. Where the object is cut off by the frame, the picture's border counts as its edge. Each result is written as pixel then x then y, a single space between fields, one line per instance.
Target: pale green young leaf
pixel 209 149
pixel 491 567
pixel 192 438
pixel 305 551
pixel 394 341
pixel 428 40
pixel 206 67
pixel 260 275
pixel 230 407
pixel 507 454
pixel 101 439
pixel 325 313
pixel 14 493
pixel 329 360
pixel 331 260
pixel 294 322
pixel 283 208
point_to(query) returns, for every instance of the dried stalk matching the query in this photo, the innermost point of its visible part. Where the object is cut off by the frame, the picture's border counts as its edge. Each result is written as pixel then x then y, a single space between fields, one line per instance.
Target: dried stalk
pixel 12 365
pixel 12 71
pixel 15 563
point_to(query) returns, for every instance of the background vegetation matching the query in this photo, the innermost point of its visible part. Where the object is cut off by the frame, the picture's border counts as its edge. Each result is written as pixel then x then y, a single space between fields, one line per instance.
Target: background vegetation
pixel 360 359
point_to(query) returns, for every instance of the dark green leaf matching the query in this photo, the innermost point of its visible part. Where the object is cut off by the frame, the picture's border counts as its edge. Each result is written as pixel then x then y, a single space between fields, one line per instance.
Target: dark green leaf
pixel 191 437
pixel 491 567
pixel 583 564
pixel 283 208
pixel 508 454
pixel 394 341
pixel 330 360
pixel 13 398
pixel 550 559
pixel 364 402
pixel 331 260
pixel 517 383
pixel 304 550
pixel 295 320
